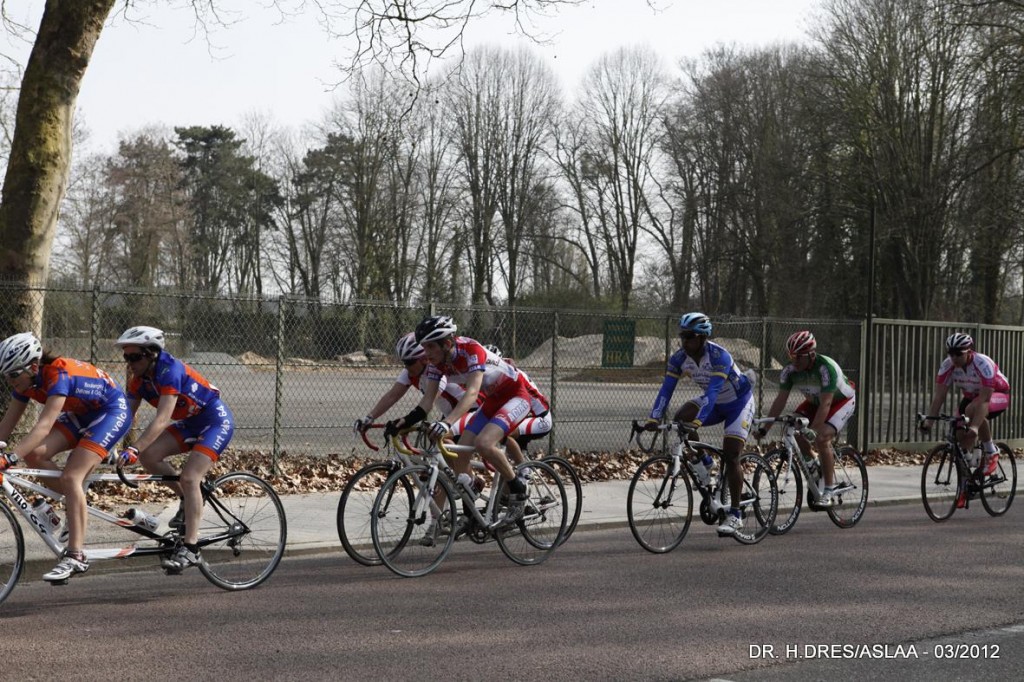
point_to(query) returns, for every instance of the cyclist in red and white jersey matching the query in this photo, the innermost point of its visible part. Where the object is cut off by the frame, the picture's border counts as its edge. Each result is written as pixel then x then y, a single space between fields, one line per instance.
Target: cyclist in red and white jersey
pixel 464 361
pixel 538 424
pixel 411 354
pixel 986 394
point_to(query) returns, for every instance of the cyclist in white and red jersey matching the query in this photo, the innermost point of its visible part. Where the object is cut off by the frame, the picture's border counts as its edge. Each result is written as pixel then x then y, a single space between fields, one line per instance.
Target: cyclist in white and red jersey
pixel 538 424
pixel 986 395
pixel 411 354
pixel 464 361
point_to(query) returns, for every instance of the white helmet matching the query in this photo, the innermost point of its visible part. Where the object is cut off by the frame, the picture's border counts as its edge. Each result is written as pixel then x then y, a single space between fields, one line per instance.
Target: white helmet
pixel 19 351
pixel 435 328
pixel 407 349
pixel 491 348
pixel 141 336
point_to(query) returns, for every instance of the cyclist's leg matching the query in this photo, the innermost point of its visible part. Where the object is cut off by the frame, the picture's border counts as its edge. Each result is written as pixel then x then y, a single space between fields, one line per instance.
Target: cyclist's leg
pixel 170 442
pixel 826 453
pixel 80 464
pixel 60 439
pixel 196 467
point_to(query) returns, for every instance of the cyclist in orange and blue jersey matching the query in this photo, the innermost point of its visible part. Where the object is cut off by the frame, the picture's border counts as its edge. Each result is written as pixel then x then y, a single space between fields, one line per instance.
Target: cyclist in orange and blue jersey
pixel 727 398
pixel 190 417
pixel 986 395
pixel 84 411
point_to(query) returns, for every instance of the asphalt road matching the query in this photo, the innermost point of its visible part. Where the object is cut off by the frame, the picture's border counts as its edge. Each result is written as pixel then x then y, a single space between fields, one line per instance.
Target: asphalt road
pixel 601 608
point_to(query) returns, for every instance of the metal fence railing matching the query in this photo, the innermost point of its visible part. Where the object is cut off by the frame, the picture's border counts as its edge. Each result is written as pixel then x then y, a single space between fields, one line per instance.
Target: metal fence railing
pixel 297 373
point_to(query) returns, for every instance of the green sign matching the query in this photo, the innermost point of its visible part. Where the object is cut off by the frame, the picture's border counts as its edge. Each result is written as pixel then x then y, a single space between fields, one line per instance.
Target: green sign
pixel 618 343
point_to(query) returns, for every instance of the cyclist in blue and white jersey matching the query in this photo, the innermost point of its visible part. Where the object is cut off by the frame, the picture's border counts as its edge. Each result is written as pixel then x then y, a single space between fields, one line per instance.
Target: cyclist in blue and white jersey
pixel 727 398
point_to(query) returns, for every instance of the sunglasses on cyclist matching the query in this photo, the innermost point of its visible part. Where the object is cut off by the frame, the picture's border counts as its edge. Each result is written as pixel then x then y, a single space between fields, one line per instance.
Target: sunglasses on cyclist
pixel 134 357
pixel 16 373
pixel 410 363
pixel 687 336
pixel 957 353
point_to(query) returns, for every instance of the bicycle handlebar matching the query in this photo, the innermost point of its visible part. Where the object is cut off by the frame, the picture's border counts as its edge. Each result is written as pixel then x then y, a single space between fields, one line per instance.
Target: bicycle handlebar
pixel 367 440
pixel 789 420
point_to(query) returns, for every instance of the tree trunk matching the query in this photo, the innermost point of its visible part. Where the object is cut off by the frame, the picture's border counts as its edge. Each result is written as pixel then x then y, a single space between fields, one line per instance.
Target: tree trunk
pixel 40 158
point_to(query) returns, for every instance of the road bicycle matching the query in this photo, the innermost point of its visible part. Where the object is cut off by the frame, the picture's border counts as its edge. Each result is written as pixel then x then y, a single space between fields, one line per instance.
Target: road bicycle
pixel 659 504
pixel 241 537
pixel 413 532
pixel 357 497
pixel 948 475
pixel 850 488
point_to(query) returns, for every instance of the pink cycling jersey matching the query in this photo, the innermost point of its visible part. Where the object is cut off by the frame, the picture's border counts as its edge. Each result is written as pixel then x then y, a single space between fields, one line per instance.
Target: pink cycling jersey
pixel 981 371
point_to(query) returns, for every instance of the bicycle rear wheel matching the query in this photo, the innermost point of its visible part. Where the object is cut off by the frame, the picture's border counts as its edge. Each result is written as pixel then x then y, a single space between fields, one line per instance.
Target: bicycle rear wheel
pixel 411 533
pixel 573 492
pixel 997 490
pixel 243 531
pixel 532 539
pixel 940 481
pixel 659 505
pixel 12 551
pixel 355 508
pixel 850 490
pixel 790 483
pixel 759 500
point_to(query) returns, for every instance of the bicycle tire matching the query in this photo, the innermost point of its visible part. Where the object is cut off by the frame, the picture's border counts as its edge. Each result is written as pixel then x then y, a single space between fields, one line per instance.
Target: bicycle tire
pixel 658 524
pixel 243 531
pixel 850 488
pixel 790 483
pixel 940 482
pixel 355 508
pixel 573 492
pixel 535 536
pixel 12 552
pixel 398 517
pixel 998 490
pixel 760 499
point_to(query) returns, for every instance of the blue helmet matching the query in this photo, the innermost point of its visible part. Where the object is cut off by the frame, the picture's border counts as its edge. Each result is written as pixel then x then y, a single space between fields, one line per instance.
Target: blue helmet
pixel 698 323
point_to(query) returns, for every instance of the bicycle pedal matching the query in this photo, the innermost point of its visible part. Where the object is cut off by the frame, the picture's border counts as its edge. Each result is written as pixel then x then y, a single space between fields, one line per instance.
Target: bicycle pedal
pixel 56 583
pixel 173 571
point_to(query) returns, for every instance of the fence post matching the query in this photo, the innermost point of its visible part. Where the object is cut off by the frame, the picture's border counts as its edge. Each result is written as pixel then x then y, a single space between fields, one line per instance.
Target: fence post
pixel 278 381
pixel 554 381
pixel 94 327
pixel 865 387
pixel 763 365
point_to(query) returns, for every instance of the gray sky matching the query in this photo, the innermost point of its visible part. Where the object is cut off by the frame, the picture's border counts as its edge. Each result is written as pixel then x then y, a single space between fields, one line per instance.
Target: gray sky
pixel 158 71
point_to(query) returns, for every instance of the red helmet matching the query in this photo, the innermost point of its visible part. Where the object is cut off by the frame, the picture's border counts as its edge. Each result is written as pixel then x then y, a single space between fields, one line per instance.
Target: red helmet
pixel 801 343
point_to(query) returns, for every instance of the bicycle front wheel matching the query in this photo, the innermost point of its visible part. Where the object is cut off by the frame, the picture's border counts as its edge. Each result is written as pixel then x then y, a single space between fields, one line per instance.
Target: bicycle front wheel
pixel 940 481
pixel 850 491
pixel 759 499
pixel 997 490
pixel 790 483
pixel 355 508
pixel 573 492
pixel 532 539
pixel 659 505
pixel 243 531
pixel 12 551
pixel 411 532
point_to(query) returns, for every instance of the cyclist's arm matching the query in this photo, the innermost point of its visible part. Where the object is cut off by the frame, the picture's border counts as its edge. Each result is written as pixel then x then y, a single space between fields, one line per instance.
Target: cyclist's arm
pixel 15 408
pixel 668 387
pixel 468 399
pixel 778 405
pixel 51 410
pixel 164 410
pixel 387 400
pixel 941 390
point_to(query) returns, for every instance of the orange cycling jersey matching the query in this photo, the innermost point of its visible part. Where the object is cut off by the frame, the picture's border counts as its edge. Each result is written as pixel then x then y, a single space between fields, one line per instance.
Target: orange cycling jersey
pixel 85 387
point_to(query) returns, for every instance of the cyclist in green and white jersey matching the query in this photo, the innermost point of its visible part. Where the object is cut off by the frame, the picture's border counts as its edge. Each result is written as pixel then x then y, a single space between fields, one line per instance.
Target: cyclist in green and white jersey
pixel 829 401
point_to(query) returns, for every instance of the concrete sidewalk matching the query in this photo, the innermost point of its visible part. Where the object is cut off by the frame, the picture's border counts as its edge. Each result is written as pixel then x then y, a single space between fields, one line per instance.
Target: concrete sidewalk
pixel 312 518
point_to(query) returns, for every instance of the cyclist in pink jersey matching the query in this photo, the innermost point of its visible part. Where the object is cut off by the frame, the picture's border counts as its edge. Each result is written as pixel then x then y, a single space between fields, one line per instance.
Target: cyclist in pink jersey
pixel 986 395
pixel 464 361
pixel 84 411
pixel 411 354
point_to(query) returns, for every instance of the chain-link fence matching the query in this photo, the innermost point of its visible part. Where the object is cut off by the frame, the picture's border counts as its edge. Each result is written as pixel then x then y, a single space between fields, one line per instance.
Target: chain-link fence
pixel 297 373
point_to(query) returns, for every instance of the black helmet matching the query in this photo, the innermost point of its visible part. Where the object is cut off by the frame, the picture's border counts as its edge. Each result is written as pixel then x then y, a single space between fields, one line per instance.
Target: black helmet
pixel 435 329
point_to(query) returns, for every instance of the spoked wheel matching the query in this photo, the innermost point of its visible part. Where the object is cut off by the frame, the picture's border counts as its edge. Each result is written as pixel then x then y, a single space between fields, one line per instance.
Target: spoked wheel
pixel 997 490
pixel 242 533
pixel 790 483
pixel 12 551
pixel 759 500
pixel 659 505
pixel 940 481
pixel 850 489
pixel 573 492
pixel 355 508
pixel 411 533
pixel 532 539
